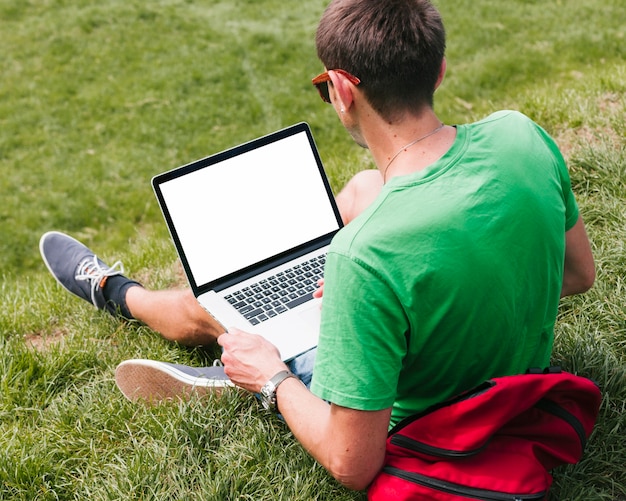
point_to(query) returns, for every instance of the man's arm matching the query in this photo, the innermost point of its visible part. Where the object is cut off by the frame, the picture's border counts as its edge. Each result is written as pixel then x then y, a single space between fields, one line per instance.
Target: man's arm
pixel 349 443
pixel 579 271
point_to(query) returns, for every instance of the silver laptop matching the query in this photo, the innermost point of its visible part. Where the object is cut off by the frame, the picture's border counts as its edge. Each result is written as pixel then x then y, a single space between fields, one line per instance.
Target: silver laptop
pixel 251 226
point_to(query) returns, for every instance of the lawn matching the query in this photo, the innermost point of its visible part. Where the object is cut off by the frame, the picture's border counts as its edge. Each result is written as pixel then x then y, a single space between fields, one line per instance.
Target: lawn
pixel 98 97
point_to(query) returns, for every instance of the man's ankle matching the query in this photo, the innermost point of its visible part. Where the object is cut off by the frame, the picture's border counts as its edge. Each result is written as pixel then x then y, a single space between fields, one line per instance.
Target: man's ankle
pixel 115 290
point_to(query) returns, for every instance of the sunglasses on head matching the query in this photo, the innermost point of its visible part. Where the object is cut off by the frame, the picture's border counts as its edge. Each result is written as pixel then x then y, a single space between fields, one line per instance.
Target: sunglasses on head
pixel 321 83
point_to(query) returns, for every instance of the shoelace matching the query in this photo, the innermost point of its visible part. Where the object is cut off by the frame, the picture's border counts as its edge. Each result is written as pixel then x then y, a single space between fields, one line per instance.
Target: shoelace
pixel 91 270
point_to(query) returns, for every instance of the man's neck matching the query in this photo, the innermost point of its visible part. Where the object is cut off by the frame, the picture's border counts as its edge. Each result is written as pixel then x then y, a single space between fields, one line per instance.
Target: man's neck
pixel 406 145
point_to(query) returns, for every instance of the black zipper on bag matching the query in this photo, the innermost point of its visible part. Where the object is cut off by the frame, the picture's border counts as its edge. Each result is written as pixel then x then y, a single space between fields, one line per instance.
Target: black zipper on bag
pixel 556 410
pixel 413 445
pixel 460 490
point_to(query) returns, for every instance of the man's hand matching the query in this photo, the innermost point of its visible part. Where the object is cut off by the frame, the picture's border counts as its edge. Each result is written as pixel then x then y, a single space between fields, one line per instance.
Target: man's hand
pixel 249 360
pixel 319 292
pixel 349 443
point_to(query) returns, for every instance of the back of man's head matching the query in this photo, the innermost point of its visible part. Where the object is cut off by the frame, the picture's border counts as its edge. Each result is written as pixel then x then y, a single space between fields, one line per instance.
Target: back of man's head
pixel 395 47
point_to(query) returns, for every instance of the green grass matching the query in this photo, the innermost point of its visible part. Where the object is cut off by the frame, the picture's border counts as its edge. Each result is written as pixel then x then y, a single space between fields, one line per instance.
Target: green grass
pixel 97 97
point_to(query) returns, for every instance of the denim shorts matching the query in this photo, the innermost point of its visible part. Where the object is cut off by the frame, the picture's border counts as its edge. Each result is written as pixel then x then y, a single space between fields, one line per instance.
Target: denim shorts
pixel 302 366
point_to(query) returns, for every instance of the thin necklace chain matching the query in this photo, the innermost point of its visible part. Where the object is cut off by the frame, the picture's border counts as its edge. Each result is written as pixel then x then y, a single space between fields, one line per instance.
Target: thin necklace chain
pixel 407 146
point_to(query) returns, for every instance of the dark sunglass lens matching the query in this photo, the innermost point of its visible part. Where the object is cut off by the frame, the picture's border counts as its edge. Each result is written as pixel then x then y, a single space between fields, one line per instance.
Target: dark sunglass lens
pixel 323 90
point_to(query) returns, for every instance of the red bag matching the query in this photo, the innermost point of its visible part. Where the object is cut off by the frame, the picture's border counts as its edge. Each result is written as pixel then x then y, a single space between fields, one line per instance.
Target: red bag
pixel 496 442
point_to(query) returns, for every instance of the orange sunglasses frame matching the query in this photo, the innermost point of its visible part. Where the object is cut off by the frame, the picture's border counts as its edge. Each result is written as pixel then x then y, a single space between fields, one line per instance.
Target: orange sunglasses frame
pixel 321 83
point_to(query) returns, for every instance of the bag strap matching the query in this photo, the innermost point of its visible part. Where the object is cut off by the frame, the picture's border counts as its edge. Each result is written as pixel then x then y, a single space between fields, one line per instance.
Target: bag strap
pixel 469 420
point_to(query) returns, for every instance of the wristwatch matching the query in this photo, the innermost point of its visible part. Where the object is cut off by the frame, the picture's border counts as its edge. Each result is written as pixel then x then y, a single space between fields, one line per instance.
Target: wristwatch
pixel 268 392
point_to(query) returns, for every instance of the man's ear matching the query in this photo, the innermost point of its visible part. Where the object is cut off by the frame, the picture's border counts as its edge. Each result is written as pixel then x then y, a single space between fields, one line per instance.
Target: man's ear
pixel 442 73
pixel 342 91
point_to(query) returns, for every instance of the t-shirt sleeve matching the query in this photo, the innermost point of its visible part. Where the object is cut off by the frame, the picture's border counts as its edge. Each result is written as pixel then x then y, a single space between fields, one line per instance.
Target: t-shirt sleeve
pixel 571 207
pixel 362 338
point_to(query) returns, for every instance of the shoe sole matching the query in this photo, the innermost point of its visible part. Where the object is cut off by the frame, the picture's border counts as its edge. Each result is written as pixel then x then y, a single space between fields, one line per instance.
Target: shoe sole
pixel 159 382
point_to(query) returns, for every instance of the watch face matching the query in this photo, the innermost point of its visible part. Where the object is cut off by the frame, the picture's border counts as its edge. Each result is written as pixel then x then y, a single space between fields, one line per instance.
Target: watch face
pixel 268 391
pixel 268 396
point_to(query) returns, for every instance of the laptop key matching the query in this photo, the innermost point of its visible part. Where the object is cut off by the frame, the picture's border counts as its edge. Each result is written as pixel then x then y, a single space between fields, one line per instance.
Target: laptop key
pixel 253 313
pixel 243 307
pixel 285 291
pixel 299 301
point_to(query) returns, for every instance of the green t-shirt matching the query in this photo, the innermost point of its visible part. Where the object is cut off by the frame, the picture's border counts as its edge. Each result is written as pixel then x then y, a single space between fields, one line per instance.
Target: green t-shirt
pixel 452 276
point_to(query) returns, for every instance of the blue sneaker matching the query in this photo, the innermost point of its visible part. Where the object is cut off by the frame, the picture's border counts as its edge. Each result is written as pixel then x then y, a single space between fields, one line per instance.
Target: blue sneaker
pixel 78 269
pixel 154 381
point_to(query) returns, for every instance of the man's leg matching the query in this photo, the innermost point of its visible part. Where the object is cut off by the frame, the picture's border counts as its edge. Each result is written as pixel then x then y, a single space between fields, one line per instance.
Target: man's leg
pixel 175 314
pixel 359 193
pixel 153 381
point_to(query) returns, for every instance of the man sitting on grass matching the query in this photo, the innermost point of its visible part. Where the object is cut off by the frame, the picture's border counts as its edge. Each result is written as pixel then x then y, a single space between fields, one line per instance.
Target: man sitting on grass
pixel 449 272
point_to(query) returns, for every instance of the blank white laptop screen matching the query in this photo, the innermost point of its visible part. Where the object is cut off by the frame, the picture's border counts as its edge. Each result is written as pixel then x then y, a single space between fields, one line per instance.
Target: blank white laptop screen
pixel 248 208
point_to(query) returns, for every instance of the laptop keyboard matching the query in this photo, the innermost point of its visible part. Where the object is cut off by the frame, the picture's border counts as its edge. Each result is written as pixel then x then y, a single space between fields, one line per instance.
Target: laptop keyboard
pixel 279 293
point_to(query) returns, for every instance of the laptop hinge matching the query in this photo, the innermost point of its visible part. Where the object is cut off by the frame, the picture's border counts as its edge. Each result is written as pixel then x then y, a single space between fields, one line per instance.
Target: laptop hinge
pixel 251 271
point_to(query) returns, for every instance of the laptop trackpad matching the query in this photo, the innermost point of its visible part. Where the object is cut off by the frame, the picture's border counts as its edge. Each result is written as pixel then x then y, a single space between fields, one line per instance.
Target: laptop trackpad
pixel 311 314
pixel 293 332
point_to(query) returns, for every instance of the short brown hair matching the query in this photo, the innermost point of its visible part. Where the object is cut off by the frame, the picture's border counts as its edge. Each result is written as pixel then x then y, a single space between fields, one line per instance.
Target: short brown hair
pixel 395 47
